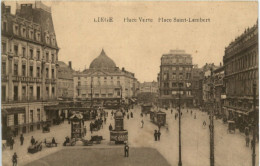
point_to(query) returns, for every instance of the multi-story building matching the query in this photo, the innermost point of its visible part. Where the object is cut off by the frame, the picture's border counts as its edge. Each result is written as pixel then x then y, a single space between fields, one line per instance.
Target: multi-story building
pixel 104 82
pixel 174 78
pixel 29 58
pixel 219 90
pixel 150 87
pixel 65 88
pixel 241 72
pixel 197 75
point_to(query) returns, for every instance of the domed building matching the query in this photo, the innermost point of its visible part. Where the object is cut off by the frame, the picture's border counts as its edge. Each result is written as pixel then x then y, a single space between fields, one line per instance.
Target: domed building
pixel 105 83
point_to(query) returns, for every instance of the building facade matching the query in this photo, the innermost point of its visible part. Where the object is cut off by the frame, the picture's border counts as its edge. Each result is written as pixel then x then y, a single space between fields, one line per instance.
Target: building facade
pixel 174 78
pixel 104 83
pixel 65 88
pixel 150 87
pixel 29 58
pixel 241 71
pixel 219 90
pixel 197 75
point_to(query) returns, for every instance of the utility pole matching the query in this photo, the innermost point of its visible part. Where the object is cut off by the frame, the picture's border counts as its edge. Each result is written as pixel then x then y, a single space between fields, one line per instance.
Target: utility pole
pixel 254 125
pixel 211 121
pixel 180 162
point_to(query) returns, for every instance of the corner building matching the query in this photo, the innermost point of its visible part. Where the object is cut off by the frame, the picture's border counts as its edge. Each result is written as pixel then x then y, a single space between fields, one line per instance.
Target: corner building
pixel 104 83
pixel 175 73
pixel 29 58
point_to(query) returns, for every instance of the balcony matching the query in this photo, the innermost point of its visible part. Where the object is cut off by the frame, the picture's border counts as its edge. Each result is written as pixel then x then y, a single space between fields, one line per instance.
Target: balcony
pixel 26 79
pixel 50 81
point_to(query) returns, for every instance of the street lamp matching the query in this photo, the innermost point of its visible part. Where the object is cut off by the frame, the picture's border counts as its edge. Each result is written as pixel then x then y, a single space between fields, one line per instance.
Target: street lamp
pixel 180 162
pixel 211 121
pixel 255 122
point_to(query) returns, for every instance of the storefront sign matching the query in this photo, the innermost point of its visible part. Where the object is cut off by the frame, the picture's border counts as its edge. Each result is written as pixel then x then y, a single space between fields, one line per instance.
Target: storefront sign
pixel 10 119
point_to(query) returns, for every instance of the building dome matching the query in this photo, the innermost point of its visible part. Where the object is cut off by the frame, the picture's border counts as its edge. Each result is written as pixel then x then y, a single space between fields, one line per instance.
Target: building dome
pixel 102 62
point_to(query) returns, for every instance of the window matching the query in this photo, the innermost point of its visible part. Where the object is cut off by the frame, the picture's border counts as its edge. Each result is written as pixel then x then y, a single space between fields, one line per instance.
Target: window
pixel 118 83
pixel 4 26
pixel 180 76
pixel 38 92
pixel 38 36
pixel 47 91
pixel 23 70
pixel 15 93
pixel 118 93
pixel 38 55
pixel 15 50
pixel 180 68
pixel 174 85
pixel 24 52
pixel 52 73
pixel 31 34
pixel 3 93
pixel 79 83
pixel 47 73
pixel 31 71
pixel 38 115
pixel 31 92
pixel 174 76
pixel 4 68
pixel 23 32
pixel 47 56
pixel 15 69
pixel 31 53
pixel 23 93
pixel 3 47
pixel 38 72
pixel 52 58
pixel 16 31
pixel 53 91
pixel 31 116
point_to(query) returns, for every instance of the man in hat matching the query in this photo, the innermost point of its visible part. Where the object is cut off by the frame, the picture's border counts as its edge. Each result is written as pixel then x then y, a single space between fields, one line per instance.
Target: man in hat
pixel 14 159
pixel 126 150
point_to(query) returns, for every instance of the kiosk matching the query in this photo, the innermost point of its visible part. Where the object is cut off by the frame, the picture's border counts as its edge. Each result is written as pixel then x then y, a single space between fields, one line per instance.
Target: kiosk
pixel 119 135
pixel 77 128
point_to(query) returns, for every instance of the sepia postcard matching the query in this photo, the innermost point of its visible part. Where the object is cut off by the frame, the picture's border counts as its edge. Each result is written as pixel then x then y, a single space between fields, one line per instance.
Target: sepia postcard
pixel 129 83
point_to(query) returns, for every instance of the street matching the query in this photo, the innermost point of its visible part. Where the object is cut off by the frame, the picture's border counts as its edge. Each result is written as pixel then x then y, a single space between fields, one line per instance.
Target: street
pixel 230 149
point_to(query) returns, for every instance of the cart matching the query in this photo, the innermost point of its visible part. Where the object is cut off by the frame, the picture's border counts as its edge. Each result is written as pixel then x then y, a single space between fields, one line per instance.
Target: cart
pixel 48 143
pixel 231 126
pixel 96 139
pixel 87 142
pixel 35 147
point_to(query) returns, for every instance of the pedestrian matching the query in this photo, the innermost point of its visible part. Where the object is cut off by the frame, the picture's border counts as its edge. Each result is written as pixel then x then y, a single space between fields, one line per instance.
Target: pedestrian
pixel 187 110
pixel 14 159
pixel 204 123
pixel 155 135
pixel 246 131
pixel 159 135
pixel 181 113
pixel 132 115
pixel 91 127
pixel 247 141
pixel 110 127
pixel 21 139
pixel 11 143
pixel 105 120
pixel 175 116
pixel 195 116
pixel 53 141
pixel 171 111
pixel 191 112
pixel 127 116
pixel 126 150
pixel 142 122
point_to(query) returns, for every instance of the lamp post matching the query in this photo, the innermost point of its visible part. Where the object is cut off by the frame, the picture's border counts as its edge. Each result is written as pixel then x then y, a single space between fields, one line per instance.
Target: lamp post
pixel 180 162
pixel 211 121
pixel 255 116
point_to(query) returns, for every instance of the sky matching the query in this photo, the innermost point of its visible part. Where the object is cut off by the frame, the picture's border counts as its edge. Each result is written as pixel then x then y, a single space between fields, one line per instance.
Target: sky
pixel 138 46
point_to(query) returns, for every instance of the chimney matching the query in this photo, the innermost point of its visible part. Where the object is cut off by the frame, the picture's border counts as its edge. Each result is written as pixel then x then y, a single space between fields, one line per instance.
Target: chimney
pixel 70 65
pixel 220 64
pixel 123 69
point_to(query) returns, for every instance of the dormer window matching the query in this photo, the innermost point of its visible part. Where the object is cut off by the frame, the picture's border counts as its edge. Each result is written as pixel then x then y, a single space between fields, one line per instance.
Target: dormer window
pixel 47 39
pixel 16 31
pixel 31 35
pixel 38 37
pixel 23 32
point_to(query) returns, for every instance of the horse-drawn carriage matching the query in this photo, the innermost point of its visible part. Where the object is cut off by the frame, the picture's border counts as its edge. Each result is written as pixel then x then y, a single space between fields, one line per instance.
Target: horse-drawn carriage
pixel 37 146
